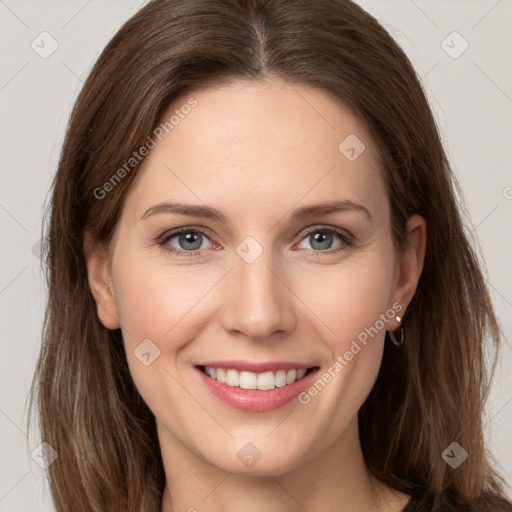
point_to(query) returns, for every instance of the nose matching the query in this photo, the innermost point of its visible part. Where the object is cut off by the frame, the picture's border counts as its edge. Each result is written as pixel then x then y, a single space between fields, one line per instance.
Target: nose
pixel 258 301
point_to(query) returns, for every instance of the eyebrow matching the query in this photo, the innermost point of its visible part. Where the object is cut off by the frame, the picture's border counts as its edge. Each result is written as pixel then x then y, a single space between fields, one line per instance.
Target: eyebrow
pixel 301 213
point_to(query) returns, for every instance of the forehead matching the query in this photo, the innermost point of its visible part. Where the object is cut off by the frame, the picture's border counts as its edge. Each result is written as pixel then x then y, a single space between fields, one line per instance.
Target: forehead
pixel 253 145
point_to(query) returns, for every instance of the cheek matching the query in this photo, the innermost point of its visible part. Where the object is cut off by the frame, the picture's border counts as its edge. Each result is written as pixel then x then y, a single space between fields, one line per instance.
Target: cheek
pixel 351 299
pixel 157 305
pixel 353 311
pixel 350 309
pixel 154 300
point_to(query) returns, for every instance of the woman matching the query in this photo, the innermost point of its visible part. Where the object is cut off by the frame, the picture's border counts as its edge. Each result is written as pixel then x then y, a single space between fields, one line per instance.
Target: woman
pixel 261 294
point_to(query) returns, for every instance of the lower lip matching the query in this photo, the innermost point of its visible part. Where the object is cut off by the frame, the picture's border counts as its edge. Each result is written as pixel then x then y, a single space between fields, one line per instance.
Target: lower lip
pixel 256 400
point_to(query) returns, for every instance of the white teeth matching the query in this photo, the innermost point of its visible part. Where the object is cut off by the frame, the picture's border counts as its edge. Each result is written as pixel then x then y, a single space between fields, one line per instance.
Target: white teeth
pixel 249 380
pixel 266 380
pixel 221 374
pixel 232 378
pixel 300 373
pixel 281 378
pixel 291 376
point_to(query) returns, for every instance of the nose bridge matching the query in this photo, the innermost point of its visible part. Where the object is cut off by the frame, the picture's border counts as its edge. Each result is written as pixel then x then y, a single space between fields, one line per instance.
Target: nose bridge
pixel 259 303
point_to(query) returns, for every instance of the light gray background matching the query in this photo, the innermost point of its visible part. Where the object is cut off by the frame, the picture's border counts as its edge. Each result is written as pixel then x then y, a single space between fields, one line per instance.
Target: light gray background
pixel 471 97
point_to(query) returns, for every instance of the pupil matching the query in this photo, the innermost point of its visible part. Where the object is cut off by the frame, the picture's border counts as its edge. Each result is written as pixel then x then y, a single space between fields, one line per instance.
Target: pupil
pixel 323 239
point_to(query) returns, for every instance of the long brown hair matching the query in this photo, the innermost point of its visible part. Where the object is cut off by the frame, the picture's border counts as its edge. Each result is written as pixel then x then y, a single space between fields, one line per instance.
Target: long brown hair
pixel 430 392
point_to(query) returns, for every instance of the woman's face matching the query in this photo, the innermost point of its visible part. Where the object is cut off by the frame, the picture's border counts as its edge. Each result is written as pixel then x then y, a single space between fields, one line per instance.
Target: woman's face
pixel 263 277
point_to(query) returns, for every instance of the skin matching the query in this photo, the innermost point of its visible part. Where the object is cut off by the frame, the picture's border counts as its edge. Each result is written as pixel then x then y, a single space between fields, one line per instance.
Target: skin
pixel 255 152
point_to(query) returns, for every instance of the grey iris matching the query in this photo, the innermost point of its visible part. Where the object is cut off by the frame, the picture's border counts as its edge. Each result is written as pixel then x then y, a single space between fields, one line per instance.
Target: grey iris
pixel 321 238
pixel 192 238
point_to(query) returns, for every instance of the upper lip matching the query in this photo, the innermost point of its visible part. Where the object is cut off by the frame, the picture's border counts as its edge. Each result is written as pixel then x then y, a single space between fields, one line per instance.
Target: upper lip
pixel 251 366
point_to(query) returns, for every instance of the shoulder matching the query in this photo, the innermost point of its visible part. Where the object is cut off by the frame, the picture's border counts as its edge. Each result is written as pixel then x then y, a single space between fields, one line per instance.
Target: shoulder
pixel 485 503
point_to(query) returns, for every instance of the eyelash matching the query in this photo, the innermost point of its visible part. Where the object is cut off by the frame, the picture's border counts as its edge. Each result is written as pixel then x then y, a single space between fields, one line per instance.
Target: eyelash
pixel 346 239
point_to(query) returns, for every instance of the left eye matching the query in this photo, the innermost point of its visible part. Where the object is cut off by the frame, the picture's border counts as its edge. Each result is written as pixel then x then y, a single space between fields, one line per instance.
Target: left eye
pixel 322 239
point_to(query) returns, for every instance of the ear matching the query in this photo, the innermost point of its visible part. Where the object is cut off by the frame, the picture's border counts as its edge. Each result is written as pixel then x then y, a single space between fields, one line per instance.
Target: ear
pixel 100 282
pixel 412 260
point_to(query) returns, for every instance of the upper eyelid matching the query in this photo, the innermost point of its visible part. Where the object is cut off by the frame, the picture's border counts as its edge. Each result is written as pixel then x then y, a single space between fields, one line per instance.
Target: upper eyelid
pixel 323 227
pixel 173 232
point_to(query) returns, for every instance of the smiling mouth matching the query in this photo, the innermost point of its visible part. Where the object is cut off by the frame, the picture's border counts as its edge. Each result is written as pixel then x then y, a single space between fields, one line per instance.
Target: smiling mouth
pixel 263 381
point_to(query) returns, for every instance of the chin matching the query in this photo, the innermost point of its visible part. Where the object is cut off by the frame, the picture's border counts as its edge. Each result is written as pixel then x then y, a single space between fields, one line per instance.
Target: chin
pixel 258 458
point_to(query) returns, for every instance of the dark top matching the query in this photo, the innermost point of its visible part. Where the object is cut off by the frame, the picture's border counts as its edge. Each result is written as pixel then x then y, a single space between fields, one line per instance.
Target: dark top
pixel 425 503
